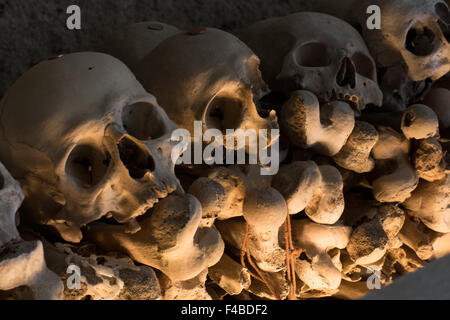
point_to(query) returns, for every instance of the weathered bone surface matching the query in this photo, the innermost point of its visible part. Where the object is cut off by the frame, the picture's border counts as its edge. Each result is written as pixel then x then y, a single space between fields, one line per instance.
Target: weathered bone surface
pixel 102 277
pixel 22 263
pixel 217 87
pixel 230 275
pixel 190 289
pixel 323 128
pixel 97 152
pixel 355 155
pixel 170 239
pixel 264 210
pixel 412 236
pixel 327 203
pixel 298 182
pixel 430 203
pixel 396 177
pixel 429 160
pixel 92 150
pixel 369 241
pixel 134 43
pixel 221 194
pixel 419 122
pixel 319 271
pixel 413 32
pixel 303 51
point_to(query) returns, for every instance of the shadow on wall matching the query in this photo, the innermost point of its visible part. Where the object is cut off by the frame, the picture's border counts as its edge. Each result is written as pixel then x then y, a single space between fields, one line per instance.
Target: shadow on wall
pixel 34 30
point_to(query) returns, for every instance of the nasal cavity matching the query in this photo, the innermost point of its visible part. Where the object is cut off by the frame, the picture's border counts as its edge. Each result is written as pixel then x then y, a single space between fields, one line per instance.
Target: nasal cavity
pixel 346 75
pixel 135 158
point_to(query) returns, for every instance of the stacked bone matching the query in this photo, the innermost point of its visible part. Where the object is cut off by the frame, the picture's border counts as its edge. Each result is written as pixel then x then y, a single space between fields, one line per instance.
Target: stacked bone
pixel 363 185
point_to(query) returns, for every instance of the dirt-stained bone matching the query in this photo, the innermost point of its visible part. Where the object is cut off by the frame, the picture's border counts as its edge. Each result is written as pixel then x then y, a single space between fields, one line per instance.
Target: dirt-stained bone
pixel 355 155
pixel 396 178
pixel 430 202
pixel 93 143
pixel 304 51
pixel 419 122
pixel 369 241
pixel 169 240
pixel 22 263
pixel 319 272
pixel 323 128
pixel 217 87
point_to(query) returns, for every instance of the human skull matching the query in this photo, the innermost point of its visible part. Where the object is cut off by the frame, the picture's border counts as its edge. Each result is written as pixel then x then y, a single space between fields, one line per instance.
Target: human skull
pixel 315 52
pixel 86 141
pixel 415 33
pixel 206 75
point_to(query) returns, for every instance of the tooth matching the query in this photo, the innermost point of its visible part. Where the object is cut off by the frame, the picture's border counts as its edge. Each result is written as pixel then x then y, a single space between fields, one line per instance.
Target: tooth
pixel 132 227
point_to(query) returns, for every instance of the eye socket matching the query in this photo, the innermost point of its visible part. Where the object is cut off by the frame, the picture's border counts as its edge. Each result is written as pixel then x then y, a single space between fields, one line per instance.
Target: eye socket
pixel 87 166
pixel 313 54
pixel 364 65
pixel 224 113
pixel 143 121
pixel 137 160
pixel 420 41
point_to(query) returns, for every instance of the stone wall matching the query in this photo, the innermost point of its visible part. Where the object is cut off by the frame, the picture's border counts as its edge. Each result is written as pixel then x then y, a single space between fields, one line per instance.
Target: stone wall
pixel 34 30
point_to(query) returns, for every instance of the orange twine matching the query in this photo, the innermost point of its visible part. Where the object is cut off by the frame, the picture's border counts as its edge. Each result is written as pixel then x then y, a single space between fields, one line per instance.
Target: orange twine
pixel 245 251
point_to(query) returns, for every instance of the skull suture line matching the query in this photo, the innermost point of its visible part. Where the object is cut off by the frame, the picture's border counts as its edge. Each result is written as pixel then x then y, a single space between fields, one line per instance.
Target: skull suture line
pixel 86 141
pixel 209 76
pixel 315 52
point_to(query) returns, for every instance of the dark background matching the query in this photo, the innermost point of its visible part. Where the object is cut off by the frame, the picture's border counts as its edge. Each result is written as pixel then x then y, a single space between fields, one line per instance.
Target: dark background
pixel 34 30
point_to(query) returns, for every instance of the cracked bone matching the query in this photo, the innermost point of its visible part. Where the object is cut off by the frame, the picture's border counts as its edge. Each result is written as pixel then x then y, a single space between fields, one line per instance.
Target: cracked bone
pixel 319 271
pixel 221 194
pixel 419 122
pixel 412 236
pixel 355 155
pixel 370 240
pixel 190 289
pixel 230 275
pixel 102 277
pixel 396 178
pixel 429 160
pixel 323 128
pixel 430 202
pixel 22 263
pixel 170 239
pixel 414 33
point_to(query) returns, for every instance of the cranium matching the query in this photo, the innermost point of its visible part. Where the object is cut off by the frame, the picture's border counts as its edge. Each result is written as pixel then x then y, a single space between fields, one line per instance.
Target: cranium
pixel 415 33
pixel 315 52
pixel 206 75
pixel 86 141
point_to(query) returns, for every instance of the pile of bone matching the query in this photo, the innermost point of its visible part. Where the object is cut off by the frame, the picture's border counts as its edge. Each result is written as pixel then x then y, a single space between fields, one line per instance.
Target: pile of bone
pixel 362 187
